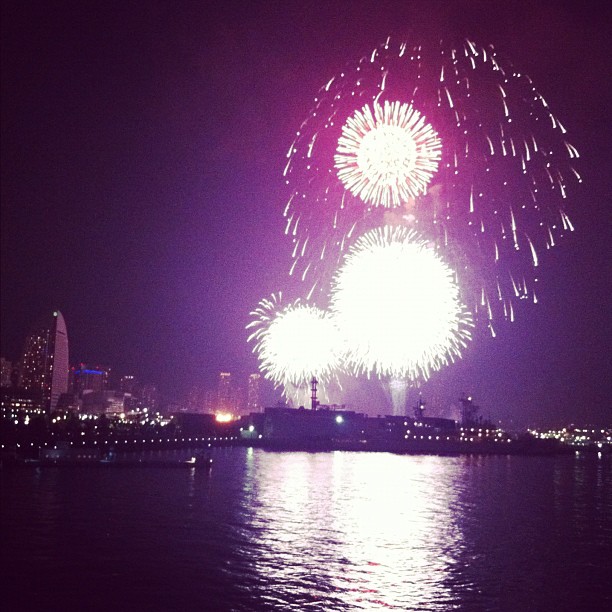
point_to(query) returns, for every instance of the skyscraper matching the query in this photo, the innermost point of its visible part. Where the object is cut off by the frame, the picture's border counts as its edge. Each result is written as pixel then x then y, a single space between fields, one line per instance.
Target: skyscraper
pixel 253 402
pixel 223 390
pixel 128 384
pixel 149 396
pixel 44 363
pixel 196 399
pixel 6 372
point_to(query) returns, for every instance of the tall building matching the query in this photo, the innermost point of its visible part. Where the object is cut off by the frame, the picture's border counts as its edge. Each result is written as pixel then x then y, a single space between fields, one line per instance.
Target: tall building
pixel 6 373
pixel 196 399
pixel 149 396
pixel 223 390
pixel 44 363
pixel 236 400
pixel 253 401
pixel 105 402
pixel 86 378
pixel 211 401
pixel 128 384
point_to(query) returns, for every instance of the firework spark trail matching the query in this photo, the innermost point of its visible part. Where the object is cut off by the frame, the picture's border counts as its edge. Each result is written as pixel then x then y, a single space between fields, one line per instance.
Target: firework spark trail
pixel 397 306
pixel 295 342
pixel 498 196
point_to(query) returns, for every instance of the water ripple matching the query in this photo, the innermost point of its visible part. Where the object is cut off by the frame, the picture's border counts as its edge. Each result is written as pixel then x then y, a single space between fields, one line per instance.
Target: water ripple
pixel 314 531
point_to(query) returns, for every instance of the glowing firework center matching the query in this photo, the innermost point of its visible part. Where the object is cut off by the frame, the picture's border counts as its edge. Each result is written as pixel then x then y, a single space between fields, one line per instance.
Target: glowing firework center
pixel 387 156
pixel 294 343
pixel 397 306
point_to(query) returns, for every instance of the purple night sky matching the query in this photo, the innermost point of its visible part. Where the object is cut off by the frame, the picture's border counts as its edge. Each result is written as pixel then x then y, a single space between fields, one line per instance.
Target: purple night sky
pixel 143 145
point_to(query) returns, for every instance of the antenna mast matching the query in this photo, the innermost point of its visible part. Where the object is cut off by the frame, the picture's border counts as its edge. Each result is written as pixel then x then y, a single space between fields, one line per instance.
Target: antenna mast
pixel 313 393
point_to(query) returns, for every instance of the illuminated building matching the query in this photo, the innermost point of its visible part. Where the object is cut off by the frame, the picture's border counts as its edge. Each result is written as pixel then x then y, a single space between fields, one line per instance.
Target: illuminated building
pixel 210 401
pixel 236 400
pixel 6 373
pixel 196 399
pixel 44 363
pixel 90 379
pixel 149 397
pixel 111 403
pixel 223 390
pixel 15 401
pixel 127 384
pixel 253 402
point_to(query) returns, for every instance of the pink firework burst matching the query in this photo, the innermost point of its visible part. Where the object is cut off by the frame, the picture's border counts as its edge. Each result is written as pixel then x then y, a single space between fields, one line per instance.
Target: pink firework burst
pixel 502 188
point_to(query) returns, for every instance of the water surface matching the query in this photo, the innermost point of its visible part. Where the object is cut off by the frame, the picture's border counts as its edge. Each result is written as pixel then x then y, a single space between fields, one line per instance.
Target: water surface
pixel 312 531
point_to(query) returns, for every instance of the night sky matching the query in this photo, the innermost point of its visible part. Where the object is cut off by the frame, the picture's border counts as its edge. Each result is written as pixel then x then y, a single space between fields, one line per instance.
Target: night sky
pixel 143 145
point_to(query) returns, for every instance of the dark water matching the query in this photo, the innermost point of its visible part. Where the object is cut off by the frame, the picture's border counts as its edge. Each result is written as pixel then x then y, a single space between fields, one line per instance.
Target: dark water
pixel 312 531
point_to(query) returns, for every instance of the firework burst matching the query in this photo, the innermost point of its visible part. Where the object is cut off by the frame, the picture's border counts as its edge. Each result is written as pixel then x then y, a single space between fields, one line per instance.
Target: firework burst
pixel 387 156
pixel 498 197
pixel 295 342
pixel 397 306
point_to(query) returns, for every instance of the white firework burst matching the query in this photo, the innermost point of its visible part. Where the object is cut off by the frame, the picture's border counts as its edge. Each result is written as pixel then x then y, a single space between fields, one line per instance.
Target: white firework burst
pixel 387 154
pixel 397 306
pixel 295 342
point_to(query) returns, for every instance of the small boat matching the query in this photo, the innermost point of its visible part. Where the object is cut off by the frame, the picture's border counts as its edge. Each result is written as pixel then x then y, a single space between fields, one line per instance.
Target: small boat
pixel 200 460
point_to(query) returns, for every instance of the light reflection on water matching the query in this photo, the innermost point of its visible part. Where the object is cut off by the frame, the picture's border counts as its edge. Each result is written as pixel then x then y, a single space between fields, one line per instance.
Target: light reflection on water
pixel 312 531
pixel 377 530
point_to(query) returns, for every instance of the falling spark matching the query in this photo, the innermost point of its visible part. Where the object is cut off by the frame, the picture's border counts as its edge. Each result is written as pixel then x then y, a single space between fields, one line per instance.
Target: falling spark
pixel 353 167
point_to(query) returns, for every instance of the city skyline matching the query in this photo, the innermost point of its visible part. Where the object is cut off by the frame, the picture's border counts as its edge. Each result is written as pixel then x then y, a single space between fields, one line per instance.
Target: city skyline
pixel 142 189
pixel 23 371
